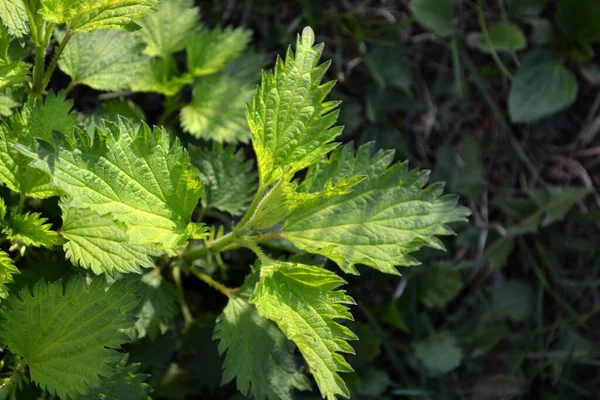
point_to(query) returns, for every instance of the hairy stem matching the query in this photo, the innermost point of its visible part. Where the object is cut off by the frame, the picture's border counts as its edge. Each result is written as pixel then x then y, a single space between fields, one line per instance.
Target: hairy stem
pixel 227 241
pixel 229 292
pixel 56 57
pixel 185 309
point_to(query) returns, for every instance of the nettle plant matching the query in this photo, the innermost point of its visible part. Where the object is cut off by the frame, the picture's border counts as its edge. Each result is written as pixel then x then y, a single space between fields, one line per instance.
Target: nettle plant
pixel 132 201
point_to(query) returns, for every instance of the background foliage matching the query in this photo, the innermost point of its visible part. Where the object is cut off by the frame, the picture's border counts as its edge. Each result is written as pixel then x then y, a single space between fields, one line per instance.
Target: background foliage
pixel 499 99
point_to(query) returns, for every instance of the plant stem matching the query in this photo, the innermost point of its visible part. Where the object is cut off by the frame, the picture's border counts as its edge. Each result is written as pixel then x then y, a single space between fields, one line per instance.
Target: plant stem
pixel 226 241
pixel 213 283
pixel 240 228
pixel 486 35
pixel 38 74
pixel 185 309
pixel 56 57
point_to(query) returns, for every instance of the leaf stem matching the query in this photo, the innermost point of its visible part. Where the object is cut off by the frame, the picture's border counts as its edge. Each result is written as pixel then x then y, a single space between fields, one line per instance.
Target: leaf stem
pixel 486 35
pixel 229 292
pixel 185 309
pixel 56 57
pixel 227 241
pixel 240 227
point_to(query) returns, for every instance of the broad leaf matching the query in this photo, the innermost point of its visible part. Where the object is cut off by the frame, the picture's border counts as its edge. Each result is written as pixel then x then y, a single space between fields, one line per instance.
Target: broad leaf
pixel 103 59
pixel 68 336
pixel 291 125
pixel 89 15
pixel 439 353
pixel 579 20
pixel 125 383
pixel 168 29
pixel 7 270
pixel 210 51
pixel 302 300
pixel 21 128
pixel 217 109
pixel 13 14
pixel 136 175
pixel 542 87
pixel 157 308
pixel 98 243
pixel 31 229
pixel 229 180
pixel 387 216
pixel 439 284
pixel 436 15
pixel 257 354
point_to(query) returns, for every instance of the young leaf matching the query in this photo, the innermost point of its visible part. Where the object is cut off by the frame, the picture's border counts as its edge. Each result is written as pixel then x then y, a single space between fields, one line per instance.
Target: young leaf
pixel 54 114
pixel 502 37
pixel 157 307
pixel 136 175
pixel 125 383
pixel 12 74
pixel 13 14
pixel 210 51
pixel 7 270
pixel 257 354
pixel 98 243
pixel 229 180
pixel 7 103
pixel 31 230
pixel 89 15
pixel 168 29
pixel 302 300
pixel 217 109
pixel 387 216
pixel 104 59
pixel 68 336
pixel 291 125
pixel 21 128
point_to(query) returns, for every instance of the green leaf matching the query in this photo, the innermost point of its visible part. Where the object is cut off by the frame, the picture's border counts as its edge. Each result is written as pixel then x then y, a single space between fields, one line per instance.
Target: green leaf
pixel 557 201
pixel 125 383
pixel 440 284
pixel 7 270
pixel 257 354
pixel 103 59
pixel 519 8
pixel 54 114
pixel 302 300
pixel 291 125
pixel 31 229
pixel 12 74
pixel 169 29
pixel 137 176
pixel 68 336
pixel 502 37
pixel 157 307
pixel 13 14
pixel 439 353
pixel 217 109
pixel 499 253
pixel 89 15
pixel 211 50
pixel 160 76
pixel 390 66
pixel 21 128
pixel 542 87
pixel 98 243
pixel 229 180
pixel 436 15
pixel 383 219
pixel 7 103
